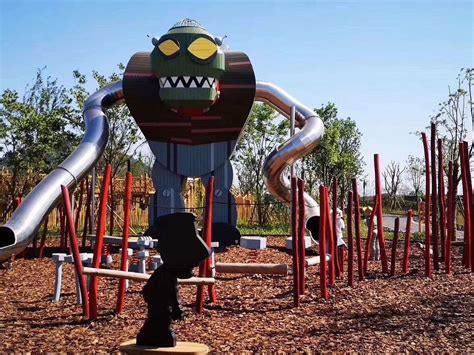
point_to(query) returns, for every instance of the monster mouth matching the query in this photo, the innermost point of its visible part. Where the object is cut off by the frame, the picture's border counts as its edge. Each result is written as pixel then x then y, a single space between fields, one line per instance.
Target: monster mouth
pixel 188 82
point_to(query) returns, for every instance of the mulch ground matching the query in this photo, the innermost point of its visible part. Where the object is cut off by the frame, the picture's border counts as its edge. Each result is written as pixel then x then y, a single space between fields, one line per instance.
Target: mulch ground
pixel 406 313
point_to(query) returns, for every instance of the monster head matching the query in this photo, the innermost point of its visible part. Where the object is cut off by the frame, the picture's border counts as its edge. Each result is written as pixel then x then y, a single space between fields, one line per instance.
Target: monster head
pixel 188 64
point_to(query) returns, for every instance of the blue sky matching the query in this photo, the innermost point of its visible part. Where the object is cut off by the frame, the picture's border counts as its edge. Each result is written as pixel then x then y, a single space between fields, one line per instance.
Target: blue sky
pixel 386 64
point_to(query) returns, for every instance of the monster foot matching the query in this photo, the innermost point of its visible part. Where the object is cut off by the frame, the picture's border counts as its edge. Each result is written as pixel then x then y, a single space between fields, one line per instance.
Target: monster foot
pixel 155 334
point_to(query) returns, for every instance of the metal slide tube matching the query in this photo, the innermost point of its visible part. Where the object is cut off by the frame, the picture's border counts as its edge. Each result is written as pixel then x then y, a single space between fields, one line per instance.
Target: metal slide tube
pixel 310 134
pixel 21 228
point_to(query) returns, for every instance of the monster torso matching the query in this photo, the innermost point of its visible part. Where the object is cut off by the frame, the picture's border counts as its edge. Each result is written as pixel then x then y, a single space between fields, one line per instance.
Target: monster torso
pixel 223 121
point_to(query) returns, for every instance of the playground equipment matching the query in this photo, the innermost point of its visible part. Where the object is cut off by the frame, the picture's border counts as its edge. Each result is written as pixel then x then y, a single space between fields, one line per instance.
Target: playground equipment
pixel 153 83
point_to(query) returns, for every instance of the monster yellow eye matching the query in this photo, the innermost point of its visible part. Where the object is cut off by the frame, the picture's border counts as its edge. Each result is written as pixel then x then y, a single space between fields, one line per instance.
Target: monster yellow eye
pixel 202 48
pixel 168 47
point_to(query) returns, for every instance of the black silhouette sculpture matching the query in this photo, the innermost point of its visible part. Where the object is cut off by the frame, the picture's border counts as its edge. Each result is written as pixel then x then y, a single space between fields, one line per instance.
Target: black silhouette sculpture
pixel 181 250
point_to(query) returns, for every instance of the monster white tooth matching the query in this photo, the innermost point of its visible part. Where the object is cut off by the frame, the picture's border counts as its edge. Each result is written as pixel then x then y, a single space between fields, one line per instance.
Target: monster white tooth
pixel 180 84
pixel 205 85
pixel 193 84
pixel 167 84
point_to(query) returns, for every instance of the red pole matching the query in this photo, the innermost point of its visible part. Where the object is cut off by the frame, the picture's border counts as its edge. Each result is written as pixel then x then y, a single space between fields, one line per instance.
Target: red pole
pixel 394 246
pixel 441 198
pixel 356 197
pixel 380 231
pixel 211 289
pixel 428 271
pixel 334 231
pixel 112 206
pixel 294 241
pixel 350 241
pixel 126 233
pixel 332 262
pixel 301 239
pixel 406 253
pixel 207 234
pixel 322 244
pixel 450 218
pixel 434 200
pixel 467 195
pixel 75 251
pixel 370 237
pixel 99 240
pixel 87 217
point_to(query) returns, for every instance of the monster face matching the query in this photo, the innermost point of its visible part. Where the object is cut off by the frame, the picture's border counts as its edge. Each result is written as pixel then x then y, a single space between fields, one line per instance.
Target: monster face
pixel 188 64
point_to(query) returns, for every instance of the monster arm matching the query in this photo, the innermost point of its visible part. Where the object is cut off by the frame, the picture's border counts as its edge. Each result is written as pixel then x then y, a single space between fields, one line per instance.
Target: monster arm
pixel 299 145
pixel 21 228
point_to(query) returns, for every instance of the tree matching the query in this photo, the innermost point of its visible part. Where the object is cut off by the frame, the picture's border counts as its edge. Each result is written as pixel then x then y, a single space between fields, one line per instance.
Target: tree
pixel 415 171
pixel 337 156
pixel 262 134
pixel 392 177
pixel 453 116
pixel 37 132
pixel 124 135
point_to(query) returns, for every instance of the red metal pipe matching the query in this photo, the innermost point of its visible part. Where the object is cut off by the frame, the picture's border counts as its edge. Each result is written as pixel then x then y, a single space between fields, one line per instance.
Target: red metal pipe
pixel 322 244
pixel 112 206
pixel 99 240
pixel 211 289
pixel 450 217
pixel 294 241
pixel 301 239
pixel 350 240
pixel 407 250
pixel 467 196
pixel 87 217
pixel 126 233
pixel 394 246
pixel 434 199
pixel 441 199
pixel 334 230
pixel 75 251
pixel 380 230
pixel 428 270
pixel 207 235
pixel 360 268
pixel 331 246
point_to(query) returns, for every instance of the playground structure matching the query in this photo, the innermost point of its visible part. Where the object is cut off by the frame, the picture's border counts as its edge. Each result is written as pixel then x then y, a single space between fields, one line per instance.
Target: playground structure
pixel 332 263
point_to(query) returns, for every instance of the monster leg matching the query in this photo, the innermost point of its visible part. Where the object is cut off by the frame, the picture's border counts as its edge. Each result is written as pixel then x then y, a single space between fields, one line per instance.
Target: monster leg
pixel 168 198
pixel 225 210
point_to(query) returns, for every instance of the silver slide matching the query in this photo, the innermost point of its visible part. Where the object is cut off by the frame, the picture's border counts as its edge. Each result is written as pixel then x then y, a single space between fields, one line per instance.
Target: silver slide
pixel 310 134
pixel 23 225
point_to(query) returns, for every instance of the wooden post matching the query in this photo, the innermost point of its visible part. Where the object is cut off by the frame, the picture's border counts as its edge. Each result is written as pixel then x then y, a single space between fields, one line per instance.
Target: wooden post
pixel 428 271
pixel 294 241
pixel 126 233
pixel 99 240
pixel 301 237
pixel 79 207
pixel 322 244
pixel 356 198
pixel 350 241
pixel 434 199
pixel 441 199
pixel 370 237
pixel 450 217
pixel 379 211
pixel 75 251
pixel 394 246
pixel 407 250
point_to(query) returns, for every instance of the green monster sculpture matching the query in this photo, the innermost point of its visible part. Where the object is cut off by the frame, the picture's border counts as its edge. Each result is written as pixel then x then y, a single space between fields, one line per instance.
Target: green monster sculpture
pixel 191 100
